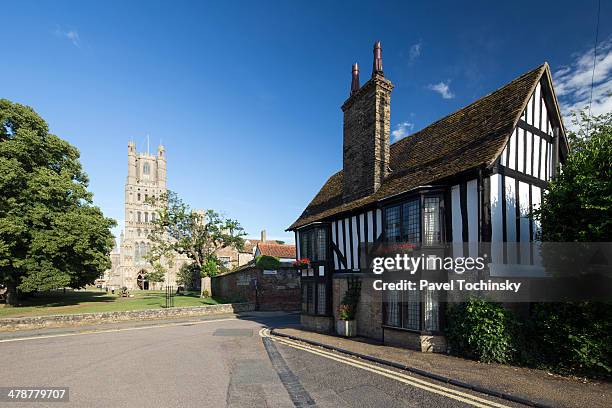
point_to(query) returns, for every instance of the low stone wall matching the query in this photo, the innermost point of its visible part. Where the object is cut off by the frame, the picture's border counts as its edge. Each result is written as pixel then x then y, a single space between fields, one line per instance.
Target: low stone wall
pixel 320 324
pixel 38 322
pixel 415 341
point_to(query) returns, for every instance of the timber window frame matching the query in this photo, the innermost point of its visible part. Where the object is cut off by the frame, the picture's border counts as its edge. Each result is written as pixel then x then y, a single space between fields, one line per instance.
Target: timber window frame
pixel 415 229
pixel 416 311
pixel 314 244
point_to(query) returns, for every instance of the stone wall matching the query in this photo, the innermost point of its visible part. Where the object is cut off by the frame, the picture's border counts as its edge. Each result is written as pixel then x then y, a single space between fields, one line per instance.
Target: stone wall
pixel 370 319
pixel 369 310
pixel 321 324
pixel 416 341
pixel 274 291
pixel 38 322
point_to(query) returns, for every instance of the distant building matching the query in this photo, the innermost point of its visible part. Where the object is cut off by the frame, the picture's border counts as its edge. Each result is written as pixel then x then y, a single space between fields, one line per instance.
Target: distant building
pixel 146 179
pixel 232 258
pixel 284 252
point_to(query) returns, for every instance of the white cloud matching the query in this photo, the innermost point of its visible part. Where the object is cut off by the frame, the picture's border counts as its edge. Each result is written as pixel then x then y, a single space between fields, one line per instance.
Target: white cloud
pixel 402 130
pixel 70 35
pixel 443 89
pixel 415 51
pixel 573 82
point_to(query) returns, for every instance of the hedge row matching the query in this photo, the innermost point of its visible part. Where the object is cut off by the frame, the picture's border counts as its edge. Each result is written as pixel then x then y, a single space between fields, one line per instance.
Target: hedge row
pixel 569 338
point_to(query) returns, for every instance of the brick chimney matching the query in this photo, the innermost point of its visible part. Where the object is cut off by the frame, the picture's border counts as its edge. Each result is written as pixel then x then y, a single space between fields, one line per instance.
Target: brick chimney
pixel 367 126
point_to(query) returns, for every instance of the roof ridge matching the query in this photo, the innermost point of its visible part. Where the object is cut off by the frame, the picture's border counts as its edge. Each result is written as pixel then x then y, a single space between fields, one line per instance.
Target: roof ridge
pixel 519 78
pixel 480 128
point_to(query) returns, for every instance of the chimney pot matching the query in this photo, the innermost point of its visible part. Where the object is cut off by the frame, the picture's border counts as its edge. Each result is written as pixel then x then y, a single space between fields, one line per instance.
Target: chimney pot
pixel 377 67
pixel 355 79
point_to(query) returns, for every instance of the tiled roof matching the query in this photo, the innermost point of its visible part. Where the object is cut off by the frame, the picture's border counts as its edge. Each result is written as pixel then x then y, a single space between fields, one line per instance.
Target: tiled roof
pixel 250 244
pixel 468 138
pixel 277 250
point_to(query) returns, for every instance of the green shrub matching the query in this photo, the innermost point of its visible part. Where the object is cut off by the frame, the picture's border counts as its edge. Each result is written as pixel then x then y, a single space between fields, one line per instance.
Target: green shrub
pixel 267 262
pixel 571 338
pixel 481 330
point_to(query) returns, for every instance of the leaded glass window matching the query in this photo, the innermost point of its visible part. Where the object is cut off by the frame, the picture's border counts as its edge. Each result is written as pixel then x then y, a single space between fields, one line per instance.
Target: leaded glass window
pixel 431 221
pixel 392 224
pixel 392 309
pixel 322 298
pixel 313 244
pixel 432 309
pixel 411 222
pixel 411 310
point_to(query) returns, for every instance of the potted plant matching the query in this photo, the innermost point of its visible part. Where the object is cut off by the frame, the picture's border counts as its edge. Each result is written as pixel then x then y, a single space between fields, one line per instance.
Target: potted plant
pixel 346 325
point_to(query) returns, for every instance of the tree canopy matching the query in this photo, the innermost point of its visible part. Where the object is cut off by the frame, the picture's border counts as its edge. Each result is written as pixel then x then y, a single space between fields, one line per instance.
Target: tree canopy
pixel 578 204
pixel 51 234
pixel 196 234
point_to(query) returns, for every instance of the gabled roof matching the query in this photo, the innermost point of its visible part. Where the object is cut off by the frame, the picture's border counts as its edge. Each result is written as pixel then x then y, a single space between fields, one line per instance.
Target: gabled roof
pixel 250 244
pixel 468 138
pixel 277 250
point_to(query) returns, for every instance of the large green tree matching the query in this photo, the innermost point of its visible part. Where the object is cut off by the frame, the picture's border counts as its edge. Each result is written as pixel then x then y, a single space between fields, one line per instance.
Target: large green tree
pixel 196 234
pixel 577 208
pixel 51 234
pixel 578 204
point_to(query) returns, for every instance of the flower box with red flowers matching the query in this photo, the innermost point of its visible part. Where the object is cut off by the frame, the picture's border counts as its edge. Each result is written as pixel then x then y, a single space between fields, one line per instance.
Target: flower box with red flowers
pixel 301 263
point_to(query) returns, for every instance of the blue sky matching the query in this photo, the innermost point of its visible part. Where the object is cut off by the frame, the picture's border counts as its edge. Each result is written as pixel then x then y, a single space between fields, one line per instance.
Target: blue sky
pixel 246 96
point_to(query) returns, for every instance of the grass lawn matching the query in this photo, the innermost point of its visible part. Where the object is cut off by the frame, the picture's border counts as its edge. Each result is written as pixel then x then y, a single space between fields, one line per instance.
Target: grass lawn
pixel 89 301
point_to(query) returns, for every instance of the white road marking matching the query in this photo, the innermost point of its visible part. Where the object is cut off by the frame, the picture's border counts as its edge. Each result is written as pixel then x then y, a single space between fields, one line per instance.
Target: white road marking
pixel 401 377
pixel 81 333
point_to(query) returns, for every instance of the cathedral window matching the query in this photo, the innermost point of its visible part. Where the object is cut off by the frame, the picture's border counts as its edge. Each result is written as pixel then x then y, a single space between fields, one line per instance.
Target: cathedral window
pixel 146 217
pixel 146 169
pixel 138 197
pixel 152 217
pixel 139 231
pixel 139 218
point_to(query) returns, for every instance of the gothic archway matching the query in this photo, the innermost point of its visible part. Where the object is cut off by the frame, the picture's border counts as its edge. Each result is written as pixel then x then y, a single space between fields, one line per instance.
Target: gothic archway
pixel 142 282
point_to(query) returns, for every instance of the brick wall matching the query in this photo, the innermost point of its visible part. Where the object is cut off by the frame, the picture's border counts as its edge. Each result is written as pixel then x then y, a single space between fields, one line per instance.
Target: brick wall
pixel 280 291
pixel 366 138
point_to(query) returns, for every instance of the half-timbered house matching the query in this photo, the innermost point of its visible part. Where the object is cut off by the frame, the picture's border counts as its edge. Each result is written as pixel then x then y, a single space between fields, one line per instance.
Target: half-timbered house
pixel 473 176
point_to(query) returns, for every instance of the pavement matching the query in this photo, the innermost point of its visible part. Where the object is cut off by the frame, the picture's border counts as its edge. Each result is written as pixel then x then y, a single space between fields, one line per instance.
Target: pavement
pixel 537 386
pixel 230 361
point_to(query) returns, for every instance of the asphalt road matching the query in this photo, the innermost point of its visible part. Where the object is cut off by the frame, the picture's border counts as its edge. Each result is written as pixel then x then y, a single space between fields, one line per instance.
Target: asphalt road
pixel 224 362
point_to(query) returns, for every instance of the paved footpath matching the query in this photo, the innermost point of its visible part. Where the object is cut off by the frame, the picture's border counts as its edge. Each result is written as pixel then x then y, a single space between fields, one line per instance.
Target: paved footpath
pixel 536 386
pixel 222 362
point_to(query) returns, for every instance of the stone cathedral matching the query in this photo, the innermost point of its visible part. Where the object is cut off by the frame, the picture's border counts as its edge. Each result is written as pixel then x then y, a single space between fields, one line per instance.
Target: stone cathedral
pixel 146 178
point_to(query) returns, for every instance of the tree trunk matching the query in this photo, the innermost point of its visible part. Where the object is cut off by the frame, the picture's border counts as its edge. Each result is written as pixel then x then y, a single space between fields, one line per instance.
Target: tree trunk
pixel 11 294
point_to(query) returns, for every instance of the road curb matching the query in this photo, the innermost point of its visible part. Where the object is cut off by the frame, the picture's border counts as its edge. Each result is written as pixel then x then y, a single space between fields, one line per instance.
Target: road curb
pixel 394 364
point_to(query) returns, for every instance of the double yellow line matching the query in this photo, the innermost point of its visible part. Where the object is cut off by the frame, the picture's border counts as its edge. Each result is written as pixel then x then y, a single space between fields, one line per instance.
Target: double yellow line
pixel 394 375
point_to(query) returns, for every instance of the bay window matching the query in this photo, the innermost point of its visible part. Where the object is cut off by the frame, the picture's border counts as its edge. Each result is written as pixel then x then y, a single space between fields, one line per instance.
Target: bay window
pixel 416 221
pixel 313 244
pixel 316 277
pixel 412 310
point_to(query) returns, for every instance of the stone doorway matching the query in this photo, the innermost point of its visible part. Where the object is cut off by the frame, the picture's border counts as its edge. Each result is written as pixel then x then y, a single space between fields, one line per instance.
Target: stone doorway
pixel 142 282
